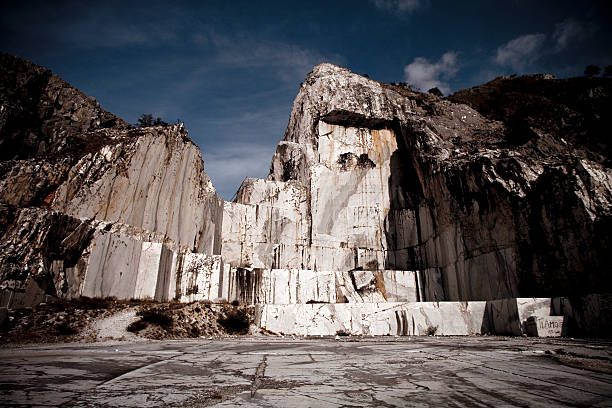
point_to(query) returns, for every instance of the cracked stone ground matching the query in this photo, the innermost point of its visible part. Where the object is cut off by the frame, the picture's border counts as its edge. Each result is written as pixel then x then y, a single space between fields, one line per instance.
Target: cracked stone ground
pixel 260 372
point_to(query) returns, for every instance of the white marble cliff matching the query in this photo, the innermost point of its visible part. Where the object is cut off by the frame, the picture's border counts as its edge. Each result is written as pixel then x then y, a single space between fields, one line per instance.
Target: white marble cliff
pixel 386 211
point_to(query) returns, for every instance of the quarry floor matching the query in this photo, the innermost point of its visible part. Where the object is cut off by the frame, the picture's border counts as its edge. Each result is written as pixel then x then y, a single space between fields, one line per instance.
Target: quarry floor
pixel 327 372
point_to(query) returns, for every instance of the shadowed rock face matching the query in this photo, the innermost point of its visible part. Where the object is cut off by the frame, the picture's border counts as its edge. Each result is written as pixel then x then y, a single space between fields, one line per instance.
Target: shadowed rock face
pixel 540 110
pixel 46 125
pixel 43 115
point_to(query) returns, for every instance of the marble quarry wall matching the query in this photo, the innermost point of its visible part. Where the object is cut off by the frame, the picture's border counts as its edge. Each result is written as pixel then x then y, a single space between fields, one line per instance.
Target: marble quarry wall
pixel 386 211
pixel 402 180
pixel 582 316
pixel 267 226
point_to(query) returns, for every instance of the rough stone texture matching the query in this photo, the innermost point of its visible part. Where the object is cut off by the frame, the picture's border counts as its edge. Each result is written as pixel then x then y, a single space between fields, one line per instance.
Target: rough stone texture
pixel 41 253
pixel 539 108
pixel 205 277
pixel 267 226
pixel 200 277
pixel 42 117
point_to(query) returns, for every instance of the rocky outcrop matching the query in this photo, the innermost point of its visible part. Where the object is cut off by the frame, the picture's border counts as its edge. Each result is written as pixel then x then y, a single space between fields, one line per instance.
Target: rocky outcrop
pixel 152 179
pixel 45 127
pixel 90 205
pixel 540 110
pixel 410 181
pixel 42 115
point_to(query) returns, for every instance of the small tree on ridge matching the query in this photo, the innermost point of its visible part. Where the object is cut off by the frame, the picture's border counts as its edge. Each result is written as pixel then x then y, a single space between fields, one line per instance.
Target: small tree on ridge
pixel 146 120
pixel 436 91
pixel 591 70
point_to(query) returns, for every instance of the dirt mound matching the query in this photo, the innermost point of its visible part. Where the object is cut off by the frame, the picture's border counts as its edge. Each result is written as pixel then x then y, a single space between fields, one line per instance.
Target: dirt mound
pixel 178 320
pixel 87 319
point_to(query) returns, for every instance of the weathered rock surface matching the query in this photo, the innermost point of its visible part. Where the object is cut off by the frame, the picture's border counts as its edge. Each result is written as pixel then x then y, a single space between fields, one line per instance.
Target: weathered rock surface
pixel 43 115
pixel 207 278
pixel 43 118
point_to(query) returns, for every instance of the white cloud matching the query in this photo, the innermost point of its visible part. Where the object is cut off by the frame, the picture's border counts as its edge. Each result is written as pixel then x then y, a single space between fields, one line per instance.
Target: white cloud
pixel 399 6
pixel 521 51
pixel 426 75
pixel 570 31
pixel 289 61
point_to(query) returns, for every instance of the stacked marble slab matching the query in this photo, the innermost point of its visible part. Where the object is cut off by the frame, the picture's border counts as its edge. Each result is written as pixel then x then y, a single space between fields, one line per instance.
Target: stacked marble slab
pixel 335 222
pixel 513 317
pixel 375 319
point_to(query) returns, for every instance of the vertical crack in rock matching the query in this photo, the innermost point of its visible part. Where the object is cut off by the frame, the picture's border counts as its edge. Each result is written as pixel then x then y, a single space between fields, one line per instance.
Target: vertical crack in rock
pixel 259 374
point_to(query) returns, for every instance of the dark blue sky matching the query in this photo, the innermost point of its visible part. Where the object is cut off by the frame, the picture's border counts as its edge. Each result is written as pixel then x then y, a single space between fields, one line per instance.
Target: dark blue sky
pixel 230 69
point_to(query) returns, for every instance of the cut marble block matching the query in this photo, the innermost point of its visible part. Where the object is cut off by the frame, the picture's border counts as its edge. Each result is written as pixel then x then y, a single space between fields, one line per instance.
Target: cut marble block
pixel 205 277
pixel 113 266
pixel 125 267
pixel 378 319
pixel 282 286
pixel 267 226
pixel 547 326
pixel 509 316
pixel 148 269
pixel 378 286
pixel 121 263
pixel 200 277
pixel 331 258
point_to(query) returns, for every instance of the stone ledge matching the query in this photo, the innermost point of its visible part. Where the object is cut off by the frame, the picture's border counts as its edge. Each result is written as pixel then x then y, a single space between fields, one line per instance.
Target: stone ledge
pixel 580 316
